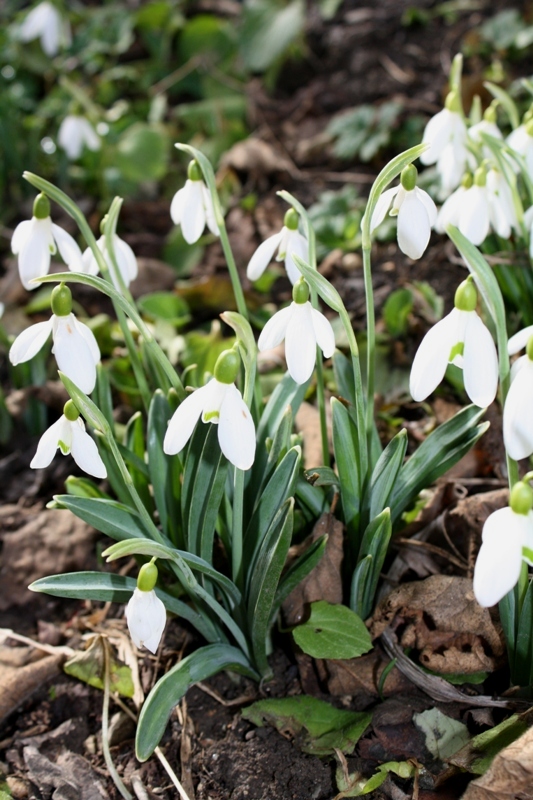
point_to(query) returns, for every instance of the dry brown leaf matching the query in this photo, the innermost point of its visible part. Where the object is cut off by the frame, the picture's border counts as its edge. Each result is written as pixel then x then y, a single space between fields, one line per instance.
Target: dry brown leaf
pixel 21 675
pixel 255 157
pixel 510 776
pixel 441 618
pixel 324 581
pixel 307 422
pixel 361 676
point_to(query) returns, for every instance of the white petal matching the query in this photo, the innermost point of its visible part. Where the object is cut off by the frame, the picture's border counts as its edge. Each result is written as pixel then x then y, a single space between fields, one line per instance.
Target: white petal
pixel 519 340
pixel 85 452
pixel 34 255
pixel 70 137
pixel 212 398
pixel 414 228
pixel 88 336
pixel 51 32
pixel 193 212
pixel 209 211
pixel 437 134
pixel 68 249
pixel 236 430
pixel 23 231
pixel 33 24
pixel 126 260
pixel 517 416
pixel 274 331
pixel 177 204
pixel 451 166
pixel 382 206
pixel 300 343
pixel 450 211
pixel 263 256
pixel 90 137
pixel 89 263
pixel 183 422
pixel 146 617
pixel 480 362
pixel 73 353
pixel 517 365
pixel 29 342
pixel 429 205
pixel 296 245
pixel 49 442
pixel 325 338
pixel 500 557
pixel 474 222
pixel 432 357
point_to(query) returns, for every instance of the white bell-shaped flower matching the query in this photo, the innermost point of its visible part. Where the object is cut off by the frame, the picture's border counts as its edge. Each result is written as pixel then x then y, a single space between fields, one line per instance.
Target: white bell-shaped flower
pixel 446 136
pixel 303 328
pixel 69 435
pixel 415 210
pixel 35 240
pixel 505 535
pixel 517 417
pixel 221 403
pixel 74 345
pixel 124 256
pixel 288 242
pixel 145 613
pixel 462 339
pixel 75 133
pixel 44 22
pixel 192 207
pixel 521 141
pixel 486 126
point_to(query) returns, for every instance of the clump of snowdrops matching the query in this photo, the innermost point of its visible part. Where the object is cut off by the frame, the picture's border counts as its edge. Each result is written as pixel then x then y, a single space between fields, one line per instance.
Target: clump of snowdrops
pixel 218 467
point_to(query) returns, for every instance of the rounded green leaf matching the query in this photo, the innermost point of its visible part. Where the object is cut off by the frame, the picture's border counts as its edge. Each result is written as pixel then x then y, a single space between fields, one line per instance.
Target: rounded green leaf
pixel 333 631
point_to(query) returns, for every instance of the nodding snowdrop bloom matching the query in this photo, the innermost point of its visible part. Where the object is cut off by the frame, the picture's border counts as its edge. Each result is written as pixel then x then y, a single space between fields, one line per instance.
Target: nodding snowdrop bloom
pixel 517 417
pixel 303 328
pixel 37 239
pixel 124 256
pixel 521 141
pixel 75 348
pixel 44 22
pixel 486 126
pixel 462 339
pixel 415 210
pixel 507 539
pixel 192 207
pixel 75 133
pixel 145 613
pixel 288 243
pixel 220 402
pixel 446 136
pixel 69 435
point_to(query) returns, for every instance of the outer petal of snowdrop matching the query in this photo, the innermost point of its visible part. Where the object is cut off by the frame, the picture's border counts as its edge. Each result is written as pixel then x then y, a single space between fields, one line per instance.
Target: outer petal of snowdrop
pixel 480 362
pixel 29 342
pixel 34 244
pixel 183 422
pixel 432 358
pixel 236 429
pixel 519 340
pixel 263 256
pixel 49 442
pixel 500 558
pixel 296 244
pixel 68 248
pixel 325 338
pixel 45 23
pixel 75 133
pixel 474 219
pixel 450 211
pixel 300 343
pixel 85 452
pixel 76 351
pixel 382 206
pixel 517 417
pixel 275 329
pixel 146 617
pixel 414 225
pixel 192 208
pixel 501 207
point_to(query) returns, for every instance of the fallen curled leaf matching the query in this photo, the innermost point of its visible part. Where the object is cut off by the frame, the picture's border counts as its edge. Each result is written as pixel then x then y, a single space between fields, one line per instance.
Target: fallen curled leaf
pixel 23 672
pixel 362 677
pixel 307 422
pixel 324 581
pixel 441 619
pixel 510 776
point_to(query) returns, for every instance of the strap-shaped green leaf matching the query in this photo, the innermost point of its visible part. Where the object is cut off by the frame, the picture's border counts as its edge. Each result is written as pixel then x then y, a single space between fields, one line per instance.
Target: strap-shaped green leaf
pixel 375 544
pixel 133 454
pixel 279 445
pixel 108 516
pixel 168 691
pixel 359 582
pixel 158 463
pixel 346 450
pixel 385 473
pixel 286 393
pixel 299 570
pixel 522 671
pixel 265 580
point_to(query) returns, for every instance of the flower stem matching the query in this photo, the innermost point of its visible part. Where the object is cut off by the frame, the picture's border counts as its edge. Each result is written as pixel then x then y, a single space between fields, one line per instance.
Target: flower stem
pixel 232 267
pixel 371 346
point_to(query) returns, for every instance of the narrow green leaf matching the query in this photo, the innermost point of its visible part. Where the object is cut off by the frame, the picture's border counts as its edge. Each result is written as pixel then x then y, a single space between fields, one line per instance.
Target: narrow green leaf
pixel 386 472
pixel 507 102
pixel 158 463
pixel 299 570
pixel 286 393
pixel 333 631
pixel 137 467
pixel 168 691
pixel 346 451
pixel 108 516
pixel 321 285
pixel 358 588
pixel 374 546
pixel 523 651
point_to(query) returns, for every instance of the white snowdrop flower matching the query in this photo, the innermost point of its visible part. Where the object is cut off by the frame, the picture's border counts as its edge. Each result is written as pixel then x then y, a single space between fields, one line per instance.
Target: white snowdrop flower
pixel 505 535
pixel 74 345
pixel 125 258
pixel 145 613
pixel 415 210
pixel 75 133
pixel 517 417
pixel 288 243
pixel 486 126
pixel 462 339
pixel 69 435
pixel 502 212
pixel 446 136
pixel 192 207
pixel 521 141
pixel 450 211
pixel 221 403
pixel 468 208
pixel 44 22
pixel 34 241
pixel 303 328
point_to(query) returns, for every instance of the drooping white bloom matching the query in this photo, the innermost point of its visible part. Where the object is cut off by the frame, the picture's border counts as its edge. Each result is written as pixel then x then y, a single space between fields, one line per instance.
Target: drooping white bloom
pixel 75 133
pixel 416 213
pixel 517 417
pixel 74 347
pixel 125 258
pixel 192 207
pixel 462 339
pixel 446 136
pixel 44 22
pixel 450 211
pixel 521 141
pixel 146 617
pixel 484 126
pixel 35 241
pixel 288 242
pixel 303 328
pixel 502 212
pixel 499 561
pixel 222 404
pixel 69 436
